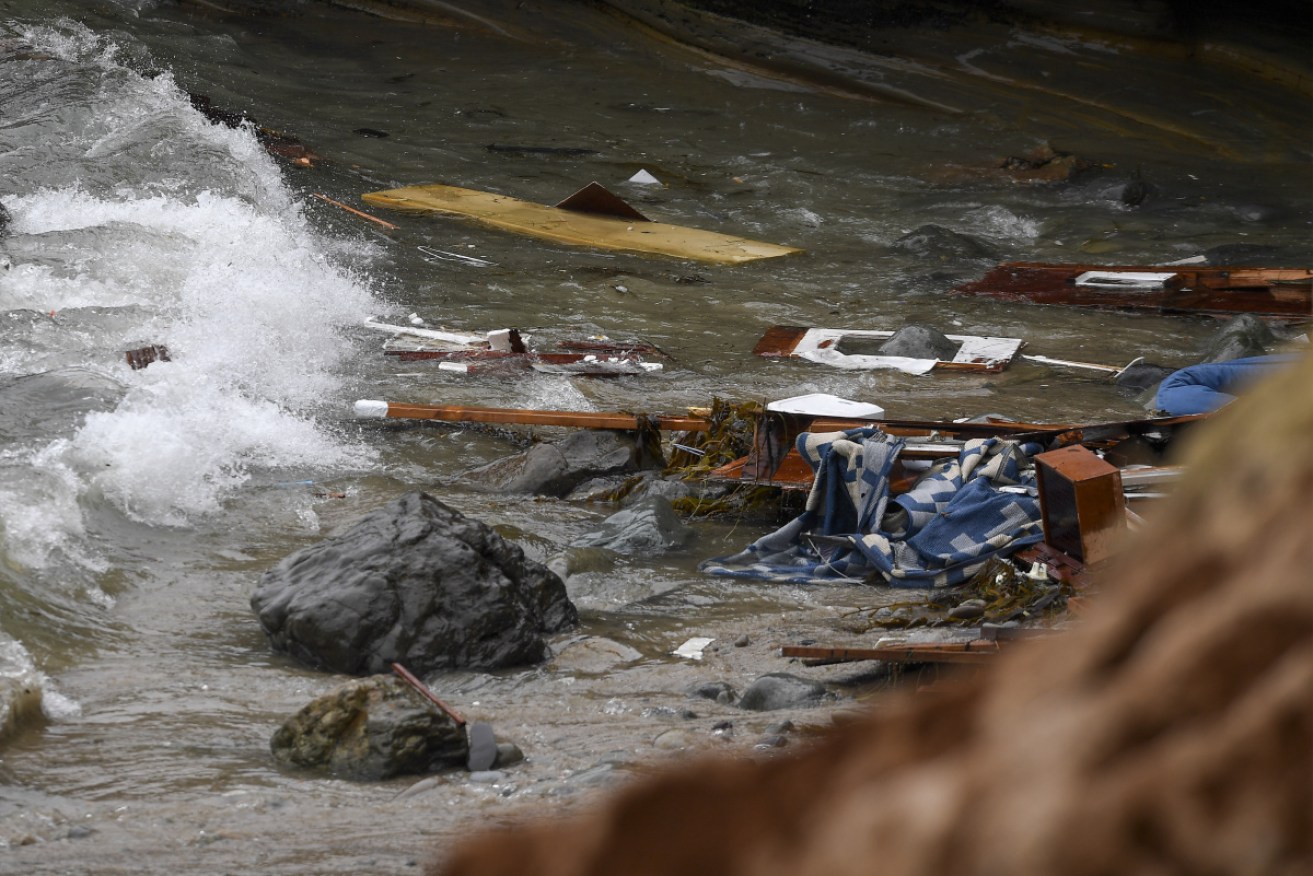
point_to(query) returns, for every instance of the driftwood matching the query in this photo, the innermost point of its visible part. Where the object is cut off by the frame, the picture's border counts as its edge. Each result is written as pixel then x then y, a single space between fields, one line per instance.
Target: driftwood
pixel 1171 731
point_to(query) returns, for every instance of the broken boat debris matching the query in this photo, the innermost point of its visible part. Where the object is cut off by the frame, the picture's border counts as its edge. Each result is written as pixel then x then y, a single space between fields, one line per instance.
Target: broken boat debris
pixel 854 349
pixel 504 350
pixel 1285 293
pixel 591 216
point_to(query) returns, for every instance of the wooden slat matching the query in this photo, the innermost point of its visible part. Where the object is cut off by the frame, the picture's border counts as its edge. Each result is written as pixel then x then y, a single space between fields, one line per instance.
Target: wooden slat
pixel 519 417
pixel 779 341
pixel 975 651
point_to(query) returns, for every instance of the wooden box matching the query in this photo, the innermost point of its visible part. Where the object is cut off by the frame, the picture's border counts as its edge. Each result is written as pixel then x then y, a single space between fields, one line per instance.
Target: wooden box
pixel 1081 502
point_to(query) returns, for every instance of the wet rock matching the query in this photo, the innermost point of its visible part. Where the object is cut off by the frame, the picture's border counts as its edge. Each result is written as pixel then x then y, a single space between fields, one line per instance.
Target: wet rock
pixel 723 729
pixel 1242 336
pixel 780 690
pixel 649 526
pixel 1139 377
pixel 594 655
pixel 368 729
pixel 651 484
pixel 414 582
pixel 720 691
pixel 941 246
pixel 770 741
pixel 780 728
pixel 967 609
pixel 483 747
pixel 556 469
pixel 5 219
pixel 919 342
pixel 743 641
pixel 487 777
pixel 508 754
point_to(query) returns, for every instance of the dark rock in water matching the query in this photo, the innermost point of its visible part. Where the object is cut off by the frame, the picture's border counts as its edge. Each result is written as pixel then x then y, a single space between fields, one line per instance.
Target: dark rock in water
pixel 368 729
pixel 483 747
pixel 649 526
pixel 919 342
pixel 5 220
pixel 414 582
pixel 780 690
pixel 556 469
pixel 1242 336
pixel 720 691
pixel 939 245
pixel 1139 377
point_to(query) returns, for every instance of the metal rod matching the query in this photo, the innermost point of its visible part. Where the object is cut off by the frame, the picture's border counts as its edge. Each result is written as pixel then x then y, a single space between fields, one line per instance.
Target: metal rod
pixel 420 686
pixel 359 213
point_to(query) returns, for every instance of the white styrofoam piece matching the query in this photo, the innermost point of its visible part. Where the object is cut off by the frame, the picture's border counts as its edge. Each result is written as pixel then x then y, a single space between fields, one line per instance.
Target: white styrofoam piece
pixel 692 649
pixel 1125 279
pixel 820 404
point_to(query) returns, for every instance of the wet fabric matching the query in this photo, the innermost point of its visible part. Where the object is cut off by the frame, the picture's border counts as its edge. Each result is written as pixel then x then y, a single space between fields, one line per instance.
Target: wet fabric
pixel 960 514
pixel 1207 387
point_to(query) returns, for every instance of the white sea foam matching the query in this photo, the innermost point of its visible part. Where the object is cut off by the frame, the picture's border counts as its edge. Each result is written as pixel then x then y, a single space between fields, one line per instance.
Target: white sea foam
pixel 203 239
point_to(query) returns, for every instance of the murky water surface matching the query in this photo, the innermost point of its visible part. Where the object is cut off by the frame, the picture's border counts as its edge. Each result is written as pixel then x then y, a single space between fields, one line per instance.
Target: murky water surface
pixel 138 508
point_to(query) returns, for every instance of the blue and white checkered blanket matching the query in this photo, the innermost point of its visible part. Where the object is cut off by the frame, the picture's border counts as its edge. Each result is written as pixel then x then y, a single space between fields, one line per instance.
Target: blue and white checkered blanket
pixel 940 533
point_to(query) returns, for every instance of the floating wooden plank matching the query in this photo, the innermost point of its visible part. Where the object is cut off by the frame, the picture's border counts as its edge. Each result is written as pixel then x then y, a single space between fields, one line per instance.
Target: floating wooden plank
pixel 565 225
pixel 974 651
pixel 368 409
pixel 823 345
pixel 1285 293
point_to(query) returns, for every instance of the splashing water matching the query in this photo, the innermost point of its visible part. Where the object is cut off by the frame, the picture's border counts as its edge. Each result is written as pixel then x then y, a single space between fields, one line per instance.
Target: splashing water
pixel 152 226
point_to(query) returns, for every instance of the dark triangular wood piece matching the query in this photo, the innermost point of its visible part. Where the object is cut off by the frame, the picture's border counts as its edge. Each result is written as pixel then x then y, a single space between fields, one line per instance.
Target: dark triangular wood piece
pixel 594 198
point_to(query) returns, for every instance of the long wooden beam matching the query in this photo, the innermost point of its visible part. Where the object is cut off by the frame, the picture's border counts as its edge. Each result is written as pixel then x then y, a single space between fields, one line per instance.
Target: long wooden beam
pixel 521 417
pixel 976 651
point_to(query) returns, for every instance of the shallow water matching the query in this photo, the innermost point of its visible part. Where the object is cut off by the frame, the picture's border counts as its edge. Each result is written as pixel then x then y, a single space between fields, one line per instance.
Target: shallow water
pixel 138 508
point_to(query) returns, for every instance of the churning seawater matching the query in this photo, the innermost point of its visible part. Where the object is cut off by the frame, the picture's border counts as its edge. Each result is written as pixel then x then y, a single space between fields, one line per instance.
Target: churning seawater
pixel 139 507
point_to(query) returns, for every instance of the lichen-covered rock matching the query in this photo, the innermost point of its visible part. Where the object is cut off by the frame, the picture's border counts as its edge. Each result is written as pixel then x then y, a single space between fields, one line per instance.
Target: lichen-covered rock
pixel 368 729
pixel 414 582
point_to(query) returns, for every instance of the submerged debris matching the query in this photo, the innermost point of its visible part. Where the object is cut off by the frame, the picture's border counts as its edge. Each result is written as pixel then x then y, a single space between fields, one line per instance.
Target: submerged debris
pixel 999 593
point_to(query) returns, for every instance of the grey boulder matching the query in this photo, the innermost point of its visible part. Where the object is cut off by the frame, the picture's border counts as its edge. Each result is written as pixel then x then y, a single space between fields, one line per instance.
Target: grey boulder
pixel 648 526
pixel 414 582
pixel 554 469
pixel 780 690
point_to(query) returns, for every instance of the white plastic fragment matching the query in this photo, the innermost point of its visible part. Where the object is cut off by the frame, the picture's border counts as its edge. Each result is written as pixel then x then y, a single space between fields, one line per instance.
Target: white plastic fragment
pixel 455 367
pixel 819 404
pixel 500 340
pixel 1125 279
pixel 692 649
pixel 415 319
pixel 643 178
pixel 371 408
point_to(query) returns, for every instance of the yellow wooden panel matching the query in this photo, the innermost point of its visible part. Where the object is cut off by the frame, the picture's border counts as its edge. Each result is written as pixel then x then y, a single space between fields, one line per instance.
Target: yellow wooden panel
pixel 581 229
